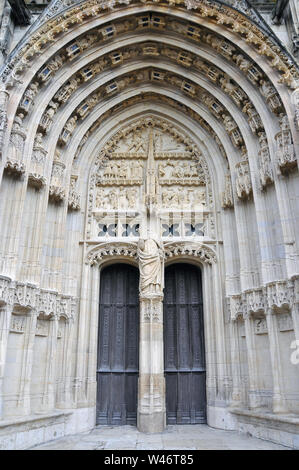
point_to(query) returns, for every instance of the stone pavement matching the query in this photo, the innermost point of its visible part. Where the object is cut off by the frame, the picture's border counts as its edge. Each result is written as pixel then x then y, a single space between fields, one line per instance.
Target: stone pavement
pixel 187 437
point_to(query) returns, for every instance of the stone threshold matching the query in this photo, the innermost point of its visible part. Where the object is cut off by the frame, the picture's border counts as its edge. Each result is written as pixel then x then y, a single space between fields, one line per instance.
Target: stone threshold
pixel 35 418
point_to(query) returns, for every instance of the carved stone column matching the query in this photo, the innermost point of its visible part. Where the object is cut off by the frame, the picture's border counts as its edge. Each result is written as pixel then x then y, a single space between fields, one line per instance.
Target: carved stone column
pixel 295 307
pixel 48 398
pixel 254 398
pixel 5 316
pixel 151 386
pixel 235 307
pixel 279 300
pixel 151 416
pixel 236 400
pixel 23 401
pixel 279 403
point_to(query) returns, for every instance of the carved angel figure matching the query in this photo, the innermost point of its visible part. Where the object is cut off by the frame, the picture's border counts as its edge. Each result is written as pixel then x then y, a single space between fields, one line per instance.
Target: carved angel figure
pixel 151 265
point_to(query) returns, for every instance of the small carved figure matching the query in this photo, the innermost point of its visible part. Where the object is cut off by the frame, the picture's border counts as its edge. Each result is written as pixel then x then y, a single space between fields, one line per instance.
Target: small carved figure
pixel 131 197
pixel 100 198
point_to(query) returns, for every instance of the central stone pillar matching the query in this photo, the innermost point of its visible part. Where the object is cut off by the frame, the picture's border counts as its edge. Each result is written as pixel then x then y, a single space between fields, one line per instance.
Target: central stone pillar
pixel 151 416
pixel 151 386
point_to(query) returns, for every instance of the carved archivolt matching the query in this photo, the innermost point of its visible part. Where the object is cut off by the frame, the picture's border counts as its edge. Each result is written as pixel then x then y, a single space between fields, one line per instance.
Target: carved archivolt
pixel 229 18
pixel 144 51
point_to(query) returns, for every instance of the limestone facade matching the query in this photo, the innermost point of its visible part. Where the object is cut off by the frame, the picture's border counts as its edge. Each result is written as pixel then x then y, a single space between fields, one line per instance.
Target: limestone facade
pixel 148 133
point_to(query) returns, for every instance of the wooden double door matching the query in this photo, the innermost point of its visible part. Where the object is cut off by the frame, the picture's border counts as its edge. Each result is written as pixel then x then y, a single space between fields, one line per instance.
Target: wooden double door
pixel 118 346
pixel 184 351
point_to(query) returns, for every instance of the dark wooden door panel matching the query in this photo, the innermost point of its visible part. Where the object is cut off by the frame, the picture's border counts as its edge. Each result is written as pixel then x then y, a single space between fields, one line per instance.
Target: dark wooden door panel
pixel 118 344
pixel 184 353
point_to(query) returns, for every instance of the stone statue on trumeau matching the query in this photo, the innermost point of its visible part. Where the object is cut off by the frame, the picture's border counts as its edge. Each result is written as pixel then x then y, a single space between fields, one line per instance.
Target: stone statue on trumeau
pixel 151 266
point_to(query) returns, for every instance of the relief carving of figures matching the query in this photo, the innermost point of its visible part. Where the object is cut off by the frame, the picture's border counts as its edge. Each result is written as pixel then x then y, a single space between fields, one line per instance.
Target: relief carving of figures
pixel 117 198
pixel 17 139
pixel 180 170
pixel 28 97
pixel 113 199
pixel 233 90
pixel 265 166
pixel 67 90
pixel 243 180
pixel 132 197
pixel 183 197
pixel 272 98
pixel 100 201
pixel 47 118
pixel 3 113
pixel 137 143
pixel 68 130
pixel 122 170
pixel 227 199
pixel 169 198
pixel 229 123
pixel 151 265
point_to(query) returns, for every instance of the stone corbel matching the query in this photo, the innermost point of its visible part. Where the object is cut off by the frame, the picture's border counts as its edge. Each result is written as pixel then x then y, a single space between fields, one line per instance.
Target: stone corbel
pixel 254 301
pixel 6 291
pixel 280 295
pixel 25 297
pixel 66 307
pixel 14 168
pixel 47 303
pixel 265 165
pixel 227 199
pixel 236 307
pixel 285 152
pixel 243 181
pixel 14 165
pixel 74 197
pixel 56 193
